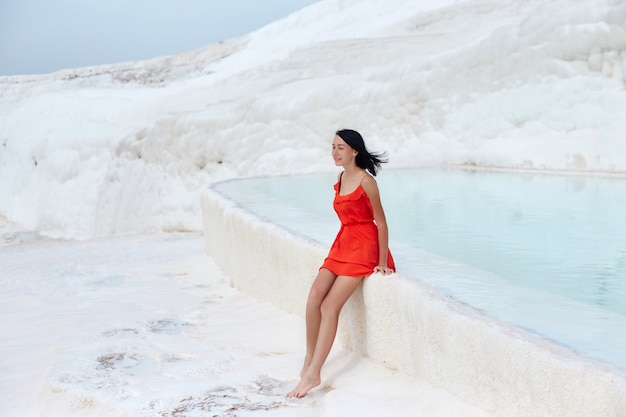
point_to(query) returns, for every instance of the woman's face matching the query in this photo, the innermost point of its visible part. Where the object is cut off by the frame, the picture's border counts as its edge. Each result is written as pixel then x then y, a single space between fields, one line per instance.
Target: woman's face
pixel 342 153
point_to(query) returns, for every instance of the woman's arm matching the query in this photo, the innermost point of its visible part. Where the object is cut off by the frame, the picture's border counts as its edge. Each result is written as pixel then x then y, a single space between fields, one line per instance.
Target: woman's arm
pixel 371 189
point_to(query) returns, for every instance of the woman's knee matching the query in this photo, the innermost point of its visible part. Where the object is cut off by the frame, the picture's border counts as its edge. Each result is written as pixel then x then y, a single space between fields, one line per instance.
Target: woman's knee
pixel 316 296
pixel 330 307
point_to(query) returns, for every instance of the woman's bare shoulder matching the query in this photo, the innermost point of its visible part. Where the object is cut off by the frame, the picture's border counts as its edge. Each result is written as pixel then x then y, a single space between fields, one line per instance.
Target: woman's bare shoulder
pixel 369 183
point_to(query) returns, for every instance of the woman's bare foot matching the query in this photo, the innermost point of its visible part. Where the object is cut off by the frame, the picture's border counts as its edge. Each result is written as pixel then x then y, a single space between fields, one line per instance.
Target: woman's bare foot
pixel 306 384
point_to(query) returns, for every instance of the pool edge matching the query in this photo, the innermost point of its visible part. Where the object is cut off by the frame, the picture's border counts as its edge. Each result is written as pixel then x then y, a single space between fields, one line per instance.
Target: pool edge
pixel 413 328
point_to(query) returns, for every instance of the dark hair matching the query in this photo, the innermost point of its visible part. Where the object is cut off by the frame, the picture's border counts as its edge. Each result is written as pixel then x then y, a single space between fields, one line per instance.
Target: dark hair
pixel 370 161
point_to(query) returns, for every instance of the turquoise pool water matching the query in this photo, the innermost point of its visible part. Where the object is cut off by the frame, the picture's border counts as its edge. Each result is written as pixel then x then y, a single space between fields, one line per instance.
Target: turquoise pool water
pixel 546 253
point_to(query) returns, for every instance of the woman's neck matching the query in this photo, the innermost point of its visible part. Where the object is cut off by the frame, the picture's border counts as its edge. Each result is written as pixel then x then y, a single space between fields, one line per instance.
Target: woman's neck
pixel 352 171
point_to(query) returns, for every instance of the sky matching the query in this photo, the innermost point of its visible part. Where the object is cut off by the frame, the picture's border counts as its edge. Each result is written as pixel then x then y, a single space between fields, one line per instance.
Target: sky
pixel 42 36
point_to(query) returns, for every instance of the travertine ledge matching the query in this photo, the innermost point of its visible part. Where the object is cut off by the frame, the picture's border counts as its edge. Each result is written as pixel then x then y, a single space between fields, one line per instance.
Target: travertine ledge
pixel 413 328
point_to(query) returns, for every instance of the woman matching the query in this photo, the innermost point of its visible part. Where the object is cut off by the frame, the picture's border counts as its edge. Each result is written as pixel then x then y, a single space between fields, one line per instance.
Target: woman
pixel 360 249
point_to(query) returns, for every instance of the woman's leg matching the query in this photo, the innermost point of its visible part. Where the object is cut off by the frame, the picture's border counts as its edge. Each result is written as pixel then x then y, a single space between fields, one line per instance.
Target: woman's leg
pixel 319 290
pixel 341 289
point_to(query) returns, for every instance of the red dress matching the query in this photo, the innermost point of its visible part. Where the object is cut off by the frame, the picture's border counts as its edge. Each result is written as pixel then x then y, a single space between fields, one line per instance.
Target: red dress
pixel 355 249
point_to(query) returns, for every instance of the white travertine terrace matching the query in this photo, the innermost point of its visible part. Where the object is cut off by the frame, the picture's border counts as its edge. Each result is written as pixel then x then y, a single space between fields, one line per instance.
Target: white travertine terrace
pixel 413 328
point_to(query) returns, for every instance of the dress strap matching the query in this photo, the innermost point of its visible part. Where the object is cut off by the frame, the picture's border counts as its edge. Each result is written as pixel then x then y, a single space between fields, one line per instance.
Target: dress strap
pixel 339 183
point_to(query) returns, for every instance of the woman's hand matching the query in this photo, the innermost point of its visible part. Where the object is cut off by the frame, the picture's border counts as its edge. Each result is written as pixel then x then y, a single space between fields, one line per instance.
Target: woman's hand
pixel 383 269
